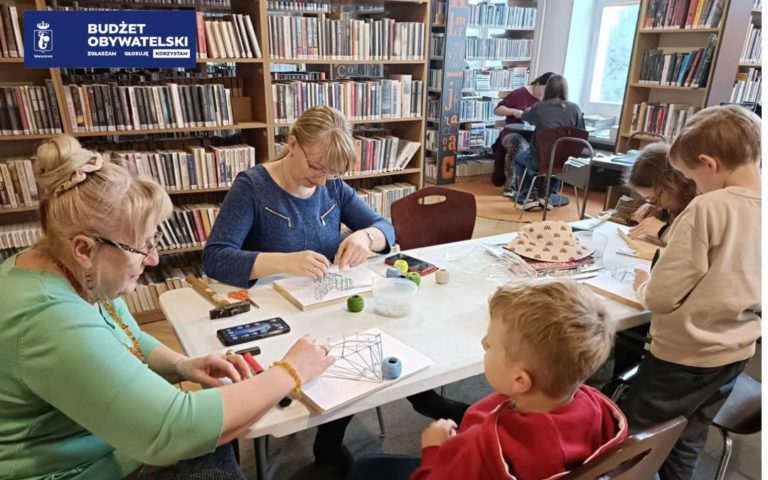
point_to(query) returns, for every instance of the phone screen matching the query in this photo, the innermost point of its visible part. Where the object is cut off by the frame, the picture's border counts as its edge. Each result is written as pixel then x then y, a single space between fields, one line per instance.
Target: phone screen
pixel 253 331
pixel 414 264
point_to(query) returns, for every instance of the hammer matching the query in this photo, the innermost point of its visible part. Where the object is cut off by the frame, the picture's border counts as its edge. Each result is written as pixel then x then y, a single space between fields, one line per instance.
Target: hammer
pixel 223 307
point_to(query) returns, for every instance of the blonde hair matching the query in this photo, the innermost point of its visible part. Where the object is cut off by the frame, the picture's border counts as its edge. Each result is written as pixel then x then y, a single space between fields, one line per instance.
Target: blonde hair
pixel 322 125
pixel 78 196
pixel 559 328
pixel 729 132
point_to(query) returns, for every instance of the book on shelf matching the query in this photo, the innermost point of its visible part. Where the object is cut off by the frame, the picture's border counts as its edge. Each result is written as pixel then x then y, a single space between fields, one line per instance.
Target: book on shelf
pixel 381 197
pixel 19 236
pixel 188 226
pixel 226 36
pixel 676 14
pixel 666 119
pixel 495 79
pixel 748 86
pixel 681 68
pixel 487 14
pixel 439 12
pixel 320 37
pixel 497 48
pixel 28 109
pixel 11 42
pixel 474 167
pixel 17 184
pixel 753 45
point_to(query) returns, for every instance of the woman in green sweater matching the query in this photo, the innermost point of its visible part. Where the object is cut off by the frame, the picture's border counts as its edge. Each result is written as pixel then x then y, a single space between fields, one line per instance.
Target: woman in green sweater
pixel 84 393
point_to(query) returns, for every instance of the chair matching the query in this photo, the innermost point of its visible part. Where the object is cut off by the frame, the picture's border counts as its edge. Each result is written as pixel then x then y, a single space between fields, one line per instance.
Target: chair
pixel 558 144
pixel 740 414
pixel 433 215
pixel 638 457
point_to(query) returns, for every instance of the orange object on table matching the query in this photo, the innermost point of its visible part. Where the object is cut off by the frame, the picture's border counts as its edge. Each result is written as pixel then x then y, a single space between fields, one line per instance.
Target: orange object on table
pixel 242 295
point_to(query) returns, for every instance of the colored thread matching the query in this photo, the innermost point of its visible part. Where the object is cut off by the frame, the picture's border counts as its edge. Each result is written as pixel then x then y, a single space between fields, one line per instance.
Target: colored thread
pixel 393 272
pixel 401 265
pixel 442 276
pixel 414 277
pixel 391 368
pixel 355 303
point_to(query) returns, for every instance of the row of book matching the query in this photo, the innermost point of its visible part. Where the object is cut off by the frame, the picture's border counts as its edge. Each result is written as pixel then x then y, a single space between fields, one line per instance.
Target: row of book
pixel 437 45
pixel 497 48
pixel 27 109
pixel 439 12
pixel 381 197
pixel 753 46
pixel 666 119
pixel 318 37
pixel 103 108
pixel 486 14
pixel 474 167
pixel 169 274
pixel 672 14
pixel 483 79
pixel 17 184
pixel 477 136
pixel 383 154
pixel 748 86
pixel 191 169
pixel 231 36
pixel 316 6
pixel 683 69
pixel 435 79
pixel 396 97
pixel 11 32
pixel 188 226
pixel 20 235
pixel 480 109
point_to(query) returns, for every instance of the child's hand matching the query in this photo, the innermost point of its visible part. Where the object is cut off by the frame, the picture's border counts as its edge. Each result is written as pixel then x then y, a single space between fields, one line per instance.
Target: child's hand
pixel 641 276
pixel 437 433
pixel 650 226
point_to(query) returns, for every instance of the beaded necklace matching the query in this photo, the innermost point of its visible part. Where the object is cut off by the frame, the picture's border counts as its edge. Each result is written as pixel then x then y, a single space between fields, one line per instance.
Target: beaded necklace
pixel 135 348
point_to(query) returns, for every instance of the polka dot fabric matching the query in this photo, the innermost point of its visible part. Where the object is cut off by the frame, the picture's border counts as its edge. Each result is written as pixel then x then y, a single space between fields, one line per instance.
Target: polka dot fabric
pixel 550 241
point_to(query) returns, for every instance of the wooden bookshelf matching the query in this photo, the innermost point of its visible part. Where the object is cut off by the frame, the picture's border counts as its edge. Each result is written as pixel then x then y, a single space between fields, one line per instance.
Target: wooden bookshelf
pixel 719 80
pixel 750 66
pixel 448 96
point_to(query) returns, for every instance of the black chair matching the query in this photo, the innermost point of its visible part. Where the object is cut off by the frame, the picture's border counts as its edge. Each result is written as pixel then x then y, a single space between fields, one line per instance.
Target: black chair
pixel 740 414
pixel 638 457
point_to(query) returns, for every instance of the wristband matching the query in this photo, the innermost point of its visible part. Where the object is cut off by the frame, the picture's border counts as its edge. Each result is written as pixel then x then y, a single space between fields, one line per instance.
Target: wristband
pixel 292 371
pixel 370 239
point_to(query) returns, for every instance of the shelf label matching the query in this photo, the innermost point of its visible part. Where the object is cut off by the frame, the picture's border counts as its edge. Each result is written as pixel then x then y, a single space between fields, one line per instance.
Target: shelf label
pixel 106 39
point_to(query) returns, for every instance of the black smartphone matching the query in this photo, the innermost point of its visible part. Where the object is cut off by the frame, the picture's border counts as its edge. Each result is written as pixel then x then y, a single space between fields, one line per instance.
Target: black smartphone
pixel 252 331
pixel 414 264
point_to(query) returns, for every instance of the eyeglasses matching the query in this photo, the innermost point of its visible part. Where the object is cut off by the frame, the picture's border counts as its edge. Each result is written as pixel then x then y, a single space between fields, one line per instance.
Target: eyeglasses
pixel 317 171
pixel 152 246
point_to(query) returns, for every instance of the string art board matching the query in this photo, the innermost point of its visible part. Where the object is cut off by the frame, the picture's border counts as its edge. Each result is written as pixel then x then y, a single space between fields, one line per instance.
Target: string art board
pixel 336 286
pixel 357 370
pixel 640 248
pixel 616 284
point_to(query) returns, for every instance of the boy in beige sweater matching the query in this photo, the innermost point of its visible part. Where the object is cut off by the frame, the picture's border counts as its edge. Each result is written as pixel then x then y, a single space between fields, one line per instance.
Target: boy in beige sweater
pixel 704 291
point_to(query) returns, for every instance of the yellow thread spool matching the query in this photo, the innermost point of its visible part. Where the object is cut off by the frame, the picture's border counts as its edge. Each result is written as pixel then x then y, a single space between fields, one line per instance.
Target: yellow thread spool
pixel 401 265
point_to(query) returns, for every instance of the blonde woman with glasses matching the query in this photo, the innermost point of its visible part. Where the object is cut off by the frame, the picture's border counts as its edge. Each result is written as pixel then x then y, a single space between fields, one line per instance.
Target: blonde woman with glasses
pixel 84 393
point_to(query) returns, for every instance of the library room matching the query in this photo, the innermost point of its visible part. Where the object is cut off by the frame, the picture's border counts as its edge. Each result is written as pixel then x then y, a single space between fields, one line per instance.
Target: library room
pixel 381 239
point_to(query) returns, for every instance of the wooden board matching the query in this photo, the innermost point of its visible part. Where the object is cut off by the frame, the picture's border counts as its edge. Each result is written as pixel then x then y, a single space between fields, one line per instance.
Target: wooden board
pixel 300 290
pixel 641 248
pixel 607 286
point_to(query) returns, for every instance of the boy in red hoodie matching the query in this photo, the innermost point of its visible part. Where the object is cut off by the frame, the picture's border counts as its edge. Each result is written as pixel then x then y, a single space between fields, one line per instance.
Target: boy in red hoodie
pixel 544 339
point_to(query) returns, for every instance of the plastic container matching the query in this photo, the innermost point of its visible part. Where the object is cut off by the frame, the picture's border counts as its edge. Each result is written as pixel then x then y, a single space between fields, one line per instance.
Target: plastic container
pixel 394 297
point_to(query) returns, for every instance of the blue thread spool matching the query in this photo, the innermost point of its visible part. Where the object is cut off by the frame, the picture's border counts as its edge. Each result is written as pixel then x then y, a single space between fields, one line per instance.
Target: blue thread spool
pixel 391 368
pixel 393 272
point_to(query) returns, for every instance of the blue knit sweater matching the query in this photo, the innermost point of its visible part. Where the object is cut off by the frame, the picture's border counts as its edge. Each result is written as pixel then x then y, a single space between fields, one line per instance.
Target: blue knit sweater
pixel 259 216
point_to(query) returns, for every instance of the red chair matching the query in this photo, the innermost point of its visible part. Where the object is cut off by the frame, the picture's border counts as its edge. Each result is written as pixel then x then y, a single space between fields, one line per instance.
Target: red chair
pixel 433 215
pixel 638 457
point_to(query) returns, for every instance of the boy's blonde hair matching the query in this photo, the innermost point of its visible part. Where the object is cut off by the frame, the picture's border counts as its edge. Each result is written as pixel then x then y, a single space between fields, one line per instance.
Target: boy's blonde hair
pixel 81 193
pixel 728 132
pixel 326 126
pixel 558 328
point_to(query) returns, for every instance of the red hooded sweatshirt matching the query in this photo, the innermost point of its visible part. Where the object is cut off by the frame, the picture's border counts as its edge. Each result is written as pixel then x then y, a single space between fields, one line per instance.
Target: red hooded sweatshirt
pixel 497 442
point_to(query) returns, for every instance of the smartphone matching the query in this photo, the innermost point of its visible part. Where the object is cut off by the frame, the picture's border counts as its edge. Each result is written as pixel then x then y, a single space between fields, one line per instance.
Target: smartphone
pixel 414 264
pixel 252 331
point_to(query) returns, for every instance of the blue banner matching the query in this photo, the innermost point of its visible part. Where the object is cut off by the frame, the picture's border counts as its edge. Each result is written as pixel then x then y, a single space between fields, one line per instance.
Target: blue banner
pixel 146 38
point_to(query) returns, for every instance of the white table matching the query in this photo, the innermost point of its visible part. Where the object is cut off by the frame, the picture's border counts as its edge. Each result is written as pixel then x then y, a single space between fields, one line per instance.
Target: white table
pixel 447 325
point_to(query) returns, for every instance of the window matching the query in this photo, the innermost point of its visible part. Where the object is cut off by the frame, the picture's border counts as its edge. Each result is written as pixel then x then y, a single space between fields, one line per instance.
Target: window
pixel 613 51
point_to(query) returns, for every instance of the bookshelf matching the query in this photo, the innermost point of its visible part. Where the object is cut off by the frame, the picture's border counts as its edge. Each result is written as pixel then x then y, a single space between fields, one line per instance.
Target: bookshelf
pixel 683 59
pixel 479 52
pixel 254 123
pixel 748 84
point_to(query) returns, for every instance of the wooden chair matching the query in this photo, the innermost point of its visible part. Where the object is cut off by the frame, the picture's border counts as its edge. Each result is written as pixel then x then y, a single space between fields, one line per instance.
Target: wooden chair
pixel 433 215
pixel 556 145
pixel 638 457
pixel 740 414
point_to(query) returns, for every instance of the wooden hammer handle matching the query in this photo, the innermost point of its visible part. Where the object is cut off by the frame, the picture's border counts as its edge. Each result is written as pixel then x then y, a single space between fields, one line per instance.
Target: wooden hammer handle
pixel 206 291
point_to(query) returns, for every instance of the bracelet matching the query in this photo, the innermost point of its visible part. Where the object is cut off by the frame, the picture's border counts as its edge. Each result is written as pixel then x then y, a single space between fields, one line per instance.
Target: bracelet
pixel 292 371
pixel 370 239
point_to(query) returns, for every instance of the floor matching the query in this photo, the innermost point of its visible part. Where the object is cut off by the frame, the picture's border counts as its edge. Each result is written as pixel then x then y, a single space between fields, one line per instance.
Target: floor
pixel 404 426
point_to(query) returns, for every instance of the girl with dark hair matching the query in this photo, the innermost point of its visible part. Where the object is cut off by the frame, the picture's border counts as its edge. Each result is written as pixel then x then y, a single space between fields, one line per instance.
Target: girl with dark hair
pixel 512 106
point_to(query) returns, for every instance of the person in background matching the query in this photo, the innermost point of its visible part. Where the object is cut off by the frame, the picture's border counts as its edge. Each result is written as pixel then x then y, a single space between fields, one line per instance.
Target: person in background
pixel 666 192
pixel 509 142
pixel 544 339
pixel 285 216
pixel 704 292
pixel 553 111
pixel 84 392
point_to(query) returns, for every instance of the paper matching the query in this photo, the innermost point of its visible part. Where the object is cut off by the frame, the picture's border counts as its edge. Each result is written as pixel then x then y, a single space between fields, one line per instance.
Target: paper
pixel 327 393
pixel 301 290
pixel 608 286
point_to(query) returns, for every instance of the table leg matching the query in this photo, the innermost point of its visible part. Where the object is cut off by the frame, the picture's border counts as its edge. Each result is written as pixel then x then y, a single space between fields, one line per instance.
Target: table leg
pixel 262 465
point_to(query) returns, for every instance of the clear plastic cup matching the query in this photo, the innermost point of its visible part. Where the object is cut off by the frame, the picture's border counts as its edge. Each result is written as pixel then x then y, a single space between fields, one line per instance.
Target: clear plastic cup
pixel 594 241
pixel 394 297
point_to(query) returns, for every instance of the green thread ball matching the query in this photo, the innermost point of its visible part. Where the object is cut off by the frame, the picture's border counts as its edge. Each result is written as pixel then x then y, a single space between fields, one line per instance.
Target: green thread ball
pixel 414 277
pixel 355 303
